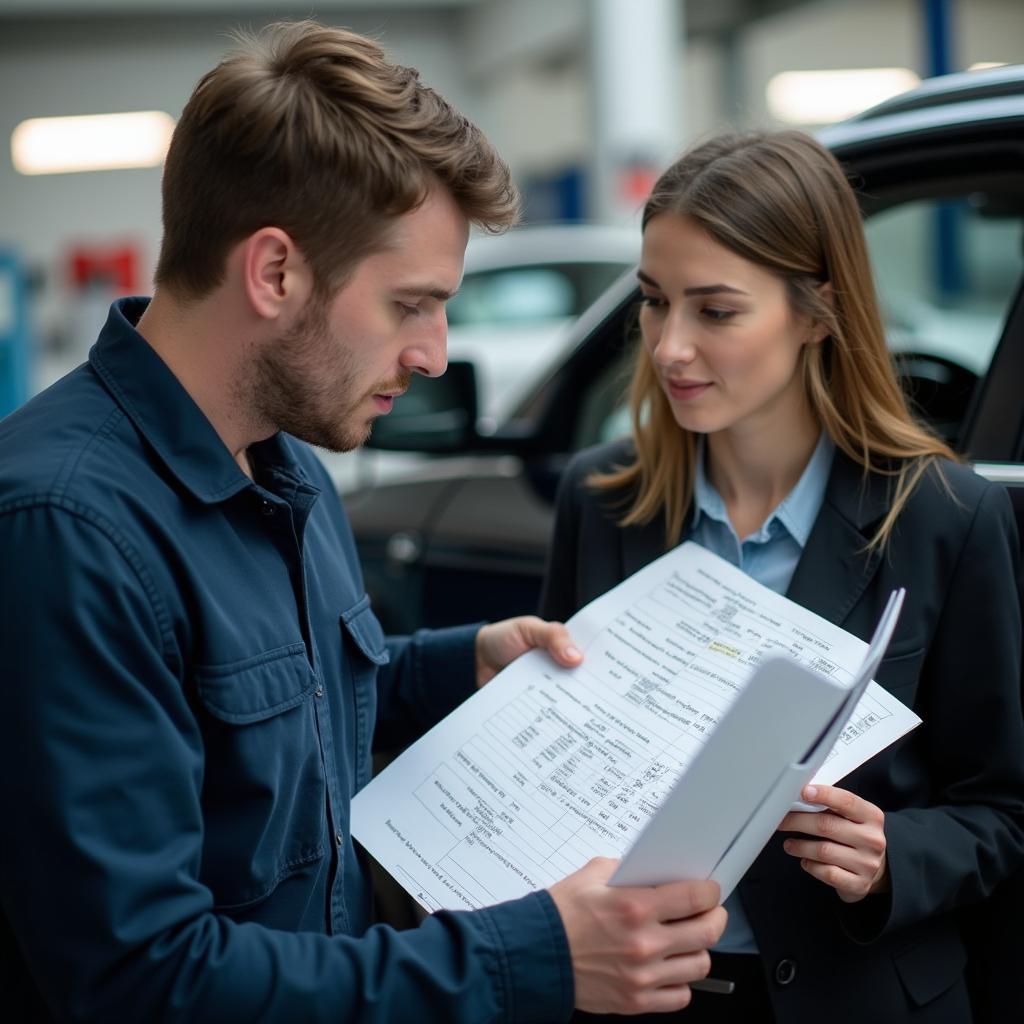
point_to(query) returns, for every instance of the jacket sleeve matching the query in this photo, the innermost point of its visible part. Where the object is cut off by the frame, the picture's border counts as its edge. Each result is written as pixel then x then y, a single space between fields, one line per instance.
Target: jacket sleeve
pixel 429 674
pixel 954 851
pixel 101 832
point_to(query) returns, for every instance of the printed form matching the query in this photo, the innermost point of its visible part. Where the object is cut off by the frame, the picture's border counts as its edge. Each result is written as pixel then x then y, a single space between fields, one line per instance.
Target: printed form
pixel 547 767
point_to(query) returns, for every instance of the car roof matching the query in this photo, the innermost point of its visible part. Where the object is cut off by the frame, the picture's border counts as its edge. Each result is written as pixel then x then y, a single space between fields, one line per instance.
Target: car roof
pixel 539 244
pixel 955 88
pixel 896 125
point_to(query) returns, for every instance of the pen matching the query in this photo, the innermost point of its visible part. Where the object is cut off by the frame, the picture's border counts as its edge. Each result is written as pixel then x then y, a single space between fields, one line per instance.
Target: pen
pixel 724 988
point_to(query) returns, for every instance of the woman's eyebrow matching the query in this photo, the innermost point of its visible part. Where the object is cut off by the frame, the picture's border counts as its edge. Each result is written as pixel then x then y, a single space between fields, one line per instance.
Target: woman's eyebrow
pixel 704 289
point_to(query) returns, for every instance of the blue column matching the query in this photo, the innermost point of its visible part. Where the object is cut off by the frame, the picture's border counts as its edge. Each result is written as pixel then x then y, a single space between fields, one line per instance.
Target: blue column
pixel 938 47
pixel 15 348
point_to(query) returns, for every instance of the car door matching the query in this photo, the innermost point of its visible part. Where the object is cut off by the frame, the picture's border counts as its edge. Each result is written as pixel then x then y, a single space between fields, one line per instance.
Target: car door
pixel 942 190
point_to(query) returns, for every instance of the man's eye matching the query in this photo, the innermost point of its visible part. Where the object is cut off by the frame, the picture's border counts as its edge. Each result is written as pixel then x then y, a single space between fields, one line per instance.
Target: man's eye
pixel 407 309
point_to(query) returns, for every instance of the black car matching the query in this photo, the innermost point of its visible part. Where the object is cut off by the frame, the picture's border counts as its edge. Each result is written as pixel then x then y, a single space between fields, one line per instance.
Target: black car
pixel 940 176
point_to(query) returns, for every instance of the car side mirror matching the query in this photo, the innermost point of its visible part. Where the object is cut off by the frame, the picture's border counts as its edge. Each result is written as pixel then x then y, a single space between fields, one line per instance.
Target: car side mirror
pixel 437 415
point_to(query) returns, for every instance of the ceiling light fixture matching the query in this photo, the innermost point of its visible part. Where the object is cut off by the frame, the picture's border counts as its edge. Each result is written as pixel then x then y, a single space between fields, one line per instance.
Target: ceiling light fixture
pixel 821 97
pixel 95 142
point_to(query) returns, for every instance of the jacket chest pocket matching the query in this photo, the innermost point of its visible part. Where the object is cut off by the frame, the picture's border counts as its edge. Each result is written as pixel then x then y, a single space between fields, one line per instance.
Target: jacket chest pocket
pixel 264 790
pixel 365 652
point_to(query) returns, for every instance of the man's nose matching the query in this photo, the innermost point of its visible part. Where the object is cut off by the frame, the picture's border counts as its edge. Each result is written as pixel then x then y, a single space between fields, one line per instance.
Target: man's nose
pixel 429 354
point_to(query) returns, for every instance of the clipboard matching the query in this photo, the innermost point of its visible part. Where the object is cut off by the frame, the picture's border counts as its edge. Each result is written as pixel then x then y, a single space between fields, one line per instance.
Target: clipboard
pixel 726 805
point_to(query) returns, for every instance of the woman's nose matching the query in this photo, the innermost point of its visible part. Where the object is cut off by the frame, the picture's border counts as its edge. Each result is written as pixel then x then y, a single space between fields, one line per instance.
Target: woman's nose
pixel 674 344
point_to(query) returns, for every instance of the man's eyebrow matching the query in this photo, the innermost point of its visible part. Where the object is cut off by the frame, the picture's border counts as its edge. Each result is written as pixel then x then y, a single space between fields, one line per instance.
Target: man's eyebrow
pixel 704 289
pixel 426 290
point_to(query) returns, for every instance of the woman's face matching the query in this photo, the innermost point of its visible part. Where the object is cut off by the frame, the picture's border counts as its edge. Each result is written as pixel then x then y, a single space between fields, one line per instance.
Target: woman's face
pixel 720 332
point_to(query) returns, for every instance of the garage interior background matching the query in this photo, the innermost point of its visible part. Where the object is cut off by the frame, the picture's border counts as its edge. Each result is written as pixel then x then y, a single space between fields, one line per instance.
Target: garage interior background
pixel 586 99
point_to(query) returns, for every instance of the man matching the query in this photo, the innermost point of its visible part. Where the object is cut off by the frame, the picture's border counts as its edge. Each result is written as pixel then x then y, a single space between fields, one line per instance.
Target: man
pixel 194 674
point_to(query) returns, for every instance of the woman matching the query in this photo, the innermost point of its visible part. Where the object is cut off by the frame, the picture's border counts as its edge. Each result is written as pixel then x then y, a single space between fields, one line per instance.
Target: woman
pixel 768 425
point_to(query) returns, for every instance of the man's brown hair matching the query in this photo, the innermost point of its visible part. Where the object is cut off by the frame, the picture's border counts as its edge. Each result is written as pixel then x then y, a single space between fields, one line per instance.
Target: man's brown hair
pixel 310 129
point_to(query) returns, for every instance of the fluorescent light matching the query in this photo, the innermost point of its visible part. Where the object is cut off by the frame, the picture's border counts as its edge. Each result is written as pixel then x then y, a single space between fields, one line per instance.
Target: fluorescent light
pixel 821 97
pixel 982 65
pixel 96 142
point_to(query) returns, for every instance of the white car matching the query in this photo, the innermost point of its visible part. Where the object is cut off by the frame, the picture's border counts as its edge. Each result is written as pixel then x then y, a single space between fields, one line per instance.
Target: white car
pixel 520 295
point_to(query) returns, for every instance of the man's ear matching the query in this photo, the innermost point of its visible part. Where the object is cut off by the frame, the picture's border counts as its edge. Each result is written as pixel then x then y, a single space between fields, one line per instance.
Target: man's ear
pixel 275 275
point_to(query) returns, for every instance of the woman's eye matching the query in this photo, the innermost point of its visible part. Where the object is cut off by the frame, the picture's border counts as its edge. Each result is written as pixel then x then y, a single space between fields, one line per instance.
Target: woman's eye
pixel 716 315
pixel 652 300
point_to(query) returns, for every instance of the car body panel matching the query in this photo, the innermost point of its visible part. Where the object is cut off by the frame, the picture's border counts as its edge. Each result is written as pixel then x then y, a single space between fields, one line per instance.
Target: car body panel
pixel 484 541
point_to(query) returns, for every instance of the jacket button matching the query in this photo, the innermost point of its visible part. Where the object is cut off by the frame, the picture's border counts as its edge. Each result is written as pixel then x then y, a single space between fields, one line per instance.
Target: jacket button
pixel 338 840
pixel 785 971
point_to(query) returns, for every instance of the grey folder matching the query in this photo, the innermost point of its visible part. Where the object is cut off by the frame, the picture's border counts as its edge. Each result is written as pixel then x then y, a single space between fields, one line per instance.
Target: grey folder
pixel 776 734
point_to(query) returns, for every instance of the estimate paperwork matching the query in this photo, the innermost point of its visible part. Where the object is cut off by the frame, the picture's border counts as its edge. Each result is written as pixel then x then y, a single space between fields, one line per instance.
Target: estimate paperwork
pixel 547 767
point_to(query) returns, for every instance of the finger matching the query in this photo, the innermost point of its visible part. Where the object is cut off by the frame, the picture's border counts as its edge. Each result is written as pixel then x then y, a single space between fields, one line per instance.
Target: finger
pixel 677 901
pixel 552 637
pixel 798 821
pixel 857 861
pixel 844 803
pixel 653 1000
pixel 829 825
pixel 849 886
pixel 666 999
pixel 599 869
pixel 695 934
pixel 676 970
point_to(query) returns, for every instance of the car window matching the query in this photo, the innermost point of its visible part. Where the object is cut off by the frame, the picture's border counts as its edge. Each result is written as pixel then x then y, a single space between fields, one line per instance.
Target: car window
pixel 943 318
pixel 946 273
pixel 524 295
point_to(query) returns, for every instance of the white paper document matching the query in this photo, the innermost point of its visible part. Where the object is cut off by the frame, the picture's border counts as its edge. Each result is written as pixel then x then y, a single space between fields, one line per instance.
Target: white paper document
pixel 547 767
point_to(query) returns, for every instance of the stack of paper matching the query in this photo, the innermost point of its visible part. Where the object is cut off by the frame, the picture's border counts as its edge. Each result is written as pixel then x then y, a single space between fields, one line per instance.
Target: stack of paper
pixel 547 767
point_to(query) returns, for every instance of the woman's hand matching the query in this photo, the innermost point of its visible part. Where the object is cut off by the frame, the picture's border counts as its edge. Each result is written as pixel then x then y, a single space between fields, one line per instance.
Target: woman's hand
pixel 500 643
pixel 848 852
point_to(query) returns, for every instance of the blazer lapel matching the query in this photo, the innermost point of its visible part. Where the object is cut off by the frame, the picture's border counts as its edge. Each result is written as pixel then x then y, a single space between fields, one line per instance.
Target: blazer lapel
pixel 835 568
pixel 641 545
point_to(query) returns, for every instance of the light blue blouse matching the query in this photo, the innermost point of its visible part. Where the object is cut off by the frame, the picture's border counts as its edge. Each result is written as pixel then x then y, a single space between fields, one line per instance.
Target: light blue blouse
pixel 770 556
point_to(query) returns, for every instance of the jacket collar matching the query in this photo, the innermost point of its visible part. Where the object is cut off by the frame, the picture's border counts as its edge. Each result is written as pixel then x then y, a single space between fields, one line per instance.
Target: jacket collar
pixel 835 567
pixel 165 414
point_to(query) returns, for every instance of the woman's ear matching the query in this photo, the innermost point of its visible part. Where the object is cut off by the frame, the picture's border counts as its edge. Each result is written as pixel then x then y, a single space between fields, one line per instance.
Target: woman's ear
pixel 819 329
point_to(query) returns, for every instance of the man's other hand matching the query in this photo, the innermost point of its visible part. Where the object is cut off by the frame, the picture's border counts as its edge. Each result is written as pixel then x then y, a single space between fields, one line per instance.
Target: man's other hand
pixel 500 643
pixel 636 949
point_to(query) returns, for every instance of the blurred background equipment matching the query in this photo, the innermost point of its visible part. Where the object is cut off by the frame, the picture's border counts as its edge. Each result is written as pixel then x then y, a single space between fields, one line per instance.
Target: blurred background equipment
pixel 587 99
pixel 15 343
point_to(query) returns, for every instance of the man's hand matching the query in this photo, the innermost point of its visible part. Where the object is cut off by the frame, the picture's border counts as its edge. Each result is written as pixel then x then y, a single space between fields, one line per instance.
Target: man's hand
pixel 849 854
pixel 635 949
pixel 500 643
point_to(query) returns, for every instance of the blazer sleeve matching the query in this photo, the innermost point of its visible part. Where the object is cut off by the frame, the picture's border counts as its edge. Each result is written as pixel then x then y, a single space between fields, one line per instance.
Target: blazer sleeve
pixel 953 852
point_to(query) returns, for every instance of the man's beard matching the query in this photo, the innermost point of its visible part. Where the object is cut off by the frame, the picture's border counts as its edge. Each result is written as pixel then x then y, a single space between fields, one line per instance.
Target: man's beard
pixel 305 383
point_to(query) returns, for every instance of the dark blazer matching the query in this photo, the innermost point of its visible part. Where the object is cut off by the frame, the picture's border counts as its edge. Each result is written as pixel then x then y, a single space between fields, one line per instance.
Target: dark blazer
pixel 952 791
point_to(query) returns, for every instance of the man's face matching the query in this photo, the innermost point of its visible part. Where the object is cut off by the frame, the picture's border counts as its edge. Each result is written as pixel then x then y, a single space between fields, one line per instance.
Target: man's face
pixel 347 360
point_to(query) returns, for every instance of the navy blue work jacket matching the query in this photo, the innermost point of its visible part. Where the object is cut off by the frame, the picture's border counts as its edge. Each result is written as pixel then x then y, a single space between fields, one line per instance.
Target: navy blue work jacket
pixel 192 680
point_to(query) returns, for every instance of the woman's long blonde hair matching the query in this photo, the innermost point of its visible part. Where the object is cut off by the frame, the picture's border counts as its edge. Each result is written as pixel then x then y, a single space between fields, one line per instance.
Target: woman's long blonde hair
pixel 781 200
